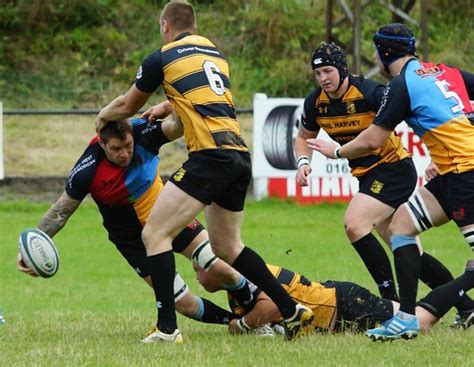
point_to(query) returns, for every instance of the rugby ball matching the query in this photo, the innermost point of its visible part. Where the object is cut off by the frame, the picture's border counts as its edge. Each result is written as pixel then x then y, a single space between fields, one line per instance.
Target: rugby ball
pixel 38 252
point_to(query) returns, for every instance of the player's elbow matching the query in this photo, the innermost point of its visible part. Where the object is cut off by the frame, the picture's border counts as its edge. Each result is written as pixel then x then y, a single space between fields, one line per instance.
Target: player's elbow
pixel 374 144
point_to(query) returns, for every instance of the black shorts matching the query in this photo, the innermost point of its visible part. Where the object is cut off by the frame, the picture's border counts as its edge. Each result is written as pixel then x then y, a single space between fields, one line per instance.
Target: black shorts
pixel 135 253
pixel 390 183
pixel 220 176
pixel 455 194
pixel 357 308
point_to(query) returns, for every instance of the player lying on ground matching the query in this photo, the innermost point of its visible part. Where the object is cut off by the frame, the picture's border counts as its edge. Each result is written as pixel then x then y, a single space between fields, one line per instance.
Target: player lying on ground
pixel 119 169
pixel 341 306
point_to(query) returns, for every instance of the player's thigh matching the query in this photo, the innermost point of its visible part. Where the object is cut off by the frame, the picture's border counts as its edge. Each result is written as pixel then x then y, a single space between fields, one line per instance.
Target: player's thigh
pixel 422 206
pixel 433 207
pixel 224 231
pixel 363 214
pixel 173 210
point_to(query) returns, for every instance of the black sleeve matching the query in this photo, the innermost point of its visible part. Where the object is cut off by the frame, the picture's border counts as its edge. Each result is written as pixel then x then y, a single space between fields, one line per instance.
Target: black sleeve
pixel 377 96
pixel 150 75
pixel 395 104
pixel 149 135
pixel 308 118
pixel 80 177
pixel 373 93
pixel 469 82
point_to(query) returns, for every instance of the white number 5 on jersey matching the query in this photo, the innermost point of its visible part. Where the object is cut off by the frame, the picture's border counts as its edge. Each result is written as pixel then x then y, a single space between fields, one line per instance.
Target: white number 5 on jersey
pixel 443 85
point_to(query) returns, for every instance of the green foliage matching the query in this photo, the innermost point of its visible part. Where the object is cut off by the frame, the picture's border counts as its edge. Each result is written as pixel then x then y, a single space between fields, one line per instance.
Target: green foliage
pixel 83 53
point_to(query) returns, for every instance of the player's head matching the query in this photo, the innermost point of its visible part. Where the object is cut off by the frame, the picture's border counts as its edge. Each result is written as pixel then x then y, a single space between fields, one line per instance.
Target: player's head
pixel 329 58
pixel 116 139
pixel 392 42
pixel 177 17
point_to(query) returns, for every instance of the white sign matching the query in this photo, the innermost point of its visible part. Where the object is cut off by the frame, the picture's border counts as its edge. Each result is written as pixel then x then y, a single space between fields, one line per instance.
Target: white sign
pixel 275 126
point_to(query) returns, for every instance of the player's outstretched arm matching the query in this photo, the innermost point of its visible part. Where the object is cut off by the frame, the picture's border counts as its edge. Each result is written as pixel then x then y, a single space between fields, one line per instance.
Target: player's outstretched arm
pixel 51 223
pixel 303 155
pixel 59 213
pixel 264 312
pixel 122 107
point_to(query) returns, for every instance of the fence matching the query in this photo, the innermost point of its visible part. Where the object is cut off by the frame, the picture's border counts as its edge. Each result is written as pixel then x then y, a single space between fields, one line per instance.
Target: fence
pixel 56 112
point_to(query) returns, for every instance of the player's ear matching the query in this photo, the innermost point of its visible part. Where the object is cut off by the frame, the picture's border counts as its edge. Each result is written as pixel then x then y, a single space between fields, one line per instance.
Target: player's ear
pixel 101 142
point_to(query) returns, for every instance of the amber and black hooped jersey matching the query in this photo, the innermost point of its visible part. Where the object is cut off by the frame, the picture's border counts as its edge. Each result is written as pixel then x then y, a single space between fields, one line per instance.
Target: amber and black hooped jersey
pixel 316 296
pixel 434 101
pixel 124 195
pixel 195 78
pixel 344 119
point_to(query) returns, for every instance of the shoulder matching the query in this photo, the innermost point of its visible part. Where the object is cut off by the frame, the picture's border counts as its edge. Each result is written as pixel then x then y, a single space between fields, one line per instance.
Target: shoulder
pixel 82 173
pixel 311 98
pixel 371 90
pixel 153 59
pixel 148 135
pixel 366 85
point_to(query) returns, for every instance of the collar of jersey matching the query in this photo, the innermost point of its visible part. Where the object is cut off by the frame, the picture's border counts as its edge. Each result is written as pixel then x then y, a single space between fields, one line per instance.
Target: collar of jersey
pixel 182 35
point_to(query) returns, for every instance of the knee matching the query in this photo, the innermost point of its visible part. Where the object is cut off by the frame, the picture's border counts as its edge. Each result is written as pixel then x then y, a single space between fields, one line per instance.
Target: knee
pixel 154 240
pixel 228 252
pixel 355 230
pixel 187 306
pixel 147 236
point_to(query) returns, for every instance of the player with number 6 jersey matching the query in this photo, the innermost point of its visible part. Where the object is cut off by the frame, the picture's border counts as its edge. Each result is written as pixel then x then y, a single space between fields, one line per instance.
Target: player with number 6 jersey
pixel 195 77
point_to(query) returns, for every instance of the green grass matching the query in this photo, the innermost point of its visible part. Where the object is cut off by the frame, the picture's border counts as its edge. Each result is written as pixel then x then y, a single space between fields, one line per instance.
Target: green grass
pixel 94 310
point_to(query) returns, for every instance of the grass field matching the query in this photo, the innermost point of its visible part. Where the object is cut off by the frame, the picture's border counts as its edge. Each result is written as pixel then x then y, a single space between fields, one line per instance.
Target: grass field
pixel 93 312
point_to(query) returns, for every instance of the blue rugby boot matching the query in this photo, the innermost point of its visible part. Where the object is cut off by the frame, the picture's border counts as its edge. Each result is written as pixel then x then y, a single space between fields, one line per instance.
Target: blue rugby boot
pixel 395 328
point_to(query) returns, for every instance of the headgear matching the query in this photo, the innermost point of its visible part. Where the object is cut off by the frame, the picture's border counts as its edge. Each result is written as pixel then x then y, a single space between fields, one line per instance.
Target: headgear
pixel 330 55
pixel 392 42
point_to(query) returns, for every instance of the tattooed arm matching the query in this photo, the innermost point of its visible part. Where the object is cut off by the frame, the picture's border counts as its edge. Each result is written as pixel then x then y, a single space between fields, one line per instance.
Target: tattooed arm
pixel 57 216
pixel 52 222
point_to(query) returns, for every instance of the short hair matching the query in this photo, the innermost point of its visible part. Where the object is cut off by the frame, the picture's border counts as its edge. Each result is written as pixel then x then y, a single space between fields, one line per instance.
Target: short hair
pixel 116 129
pixel 180 15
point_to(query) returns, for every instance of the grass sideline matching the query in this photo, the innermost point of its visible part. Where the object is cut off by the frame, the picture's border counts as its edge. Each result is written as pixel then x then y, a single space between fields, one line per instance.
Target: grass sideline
pixel 95 309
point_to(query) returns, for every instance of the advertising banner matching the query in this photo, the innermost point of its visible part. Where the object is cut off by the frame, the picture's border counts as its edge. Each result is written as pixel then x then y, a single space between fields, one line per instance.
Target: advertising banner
pixel 275 125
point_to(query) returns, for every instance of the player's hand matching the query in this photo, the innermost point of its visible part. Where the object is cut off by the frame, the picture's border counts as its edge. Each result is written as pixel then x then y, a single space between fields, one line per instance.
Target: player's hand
pixel 20 264
pixel 431 171
pixel 234 327
pixel 324 147
pixel 100 123
pixel 302 175
pixel 159 111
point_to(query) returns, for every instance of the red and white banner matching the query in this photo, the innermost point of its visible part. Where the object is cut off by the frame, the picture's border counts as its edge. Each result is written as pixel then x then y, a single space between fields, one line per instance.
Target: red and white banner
pixel 275 125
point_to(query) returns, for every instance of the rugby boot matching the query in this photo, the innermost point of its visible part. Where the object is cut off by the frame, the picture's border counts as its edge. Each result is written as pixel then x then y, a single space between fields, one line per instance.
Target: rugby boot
pixel 299 324
pixel 156 335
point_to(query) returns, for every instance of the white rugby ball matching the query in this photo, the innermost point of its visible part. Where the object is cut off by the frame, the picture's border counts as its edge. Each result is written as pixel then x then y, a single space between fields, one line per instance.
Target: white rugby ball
pixel 38 252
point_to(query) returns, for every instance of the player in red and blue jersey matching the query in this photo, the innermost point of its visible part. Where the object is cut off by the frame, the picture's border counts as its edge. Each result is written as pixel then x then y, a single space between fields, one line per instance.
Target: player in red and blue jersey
pixel 435 101
pixel 119 169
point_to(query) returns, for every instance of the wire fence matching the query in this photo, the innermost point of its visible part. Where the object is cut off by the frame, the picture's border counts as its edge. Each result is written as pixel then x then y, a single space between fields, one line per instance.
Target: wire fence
pixel 84 112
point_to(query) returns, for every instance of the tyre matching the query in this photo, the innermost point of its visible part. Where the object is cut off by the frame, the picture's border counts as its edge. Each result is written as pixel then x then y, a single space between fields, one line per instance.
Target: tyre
pixel 279 132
